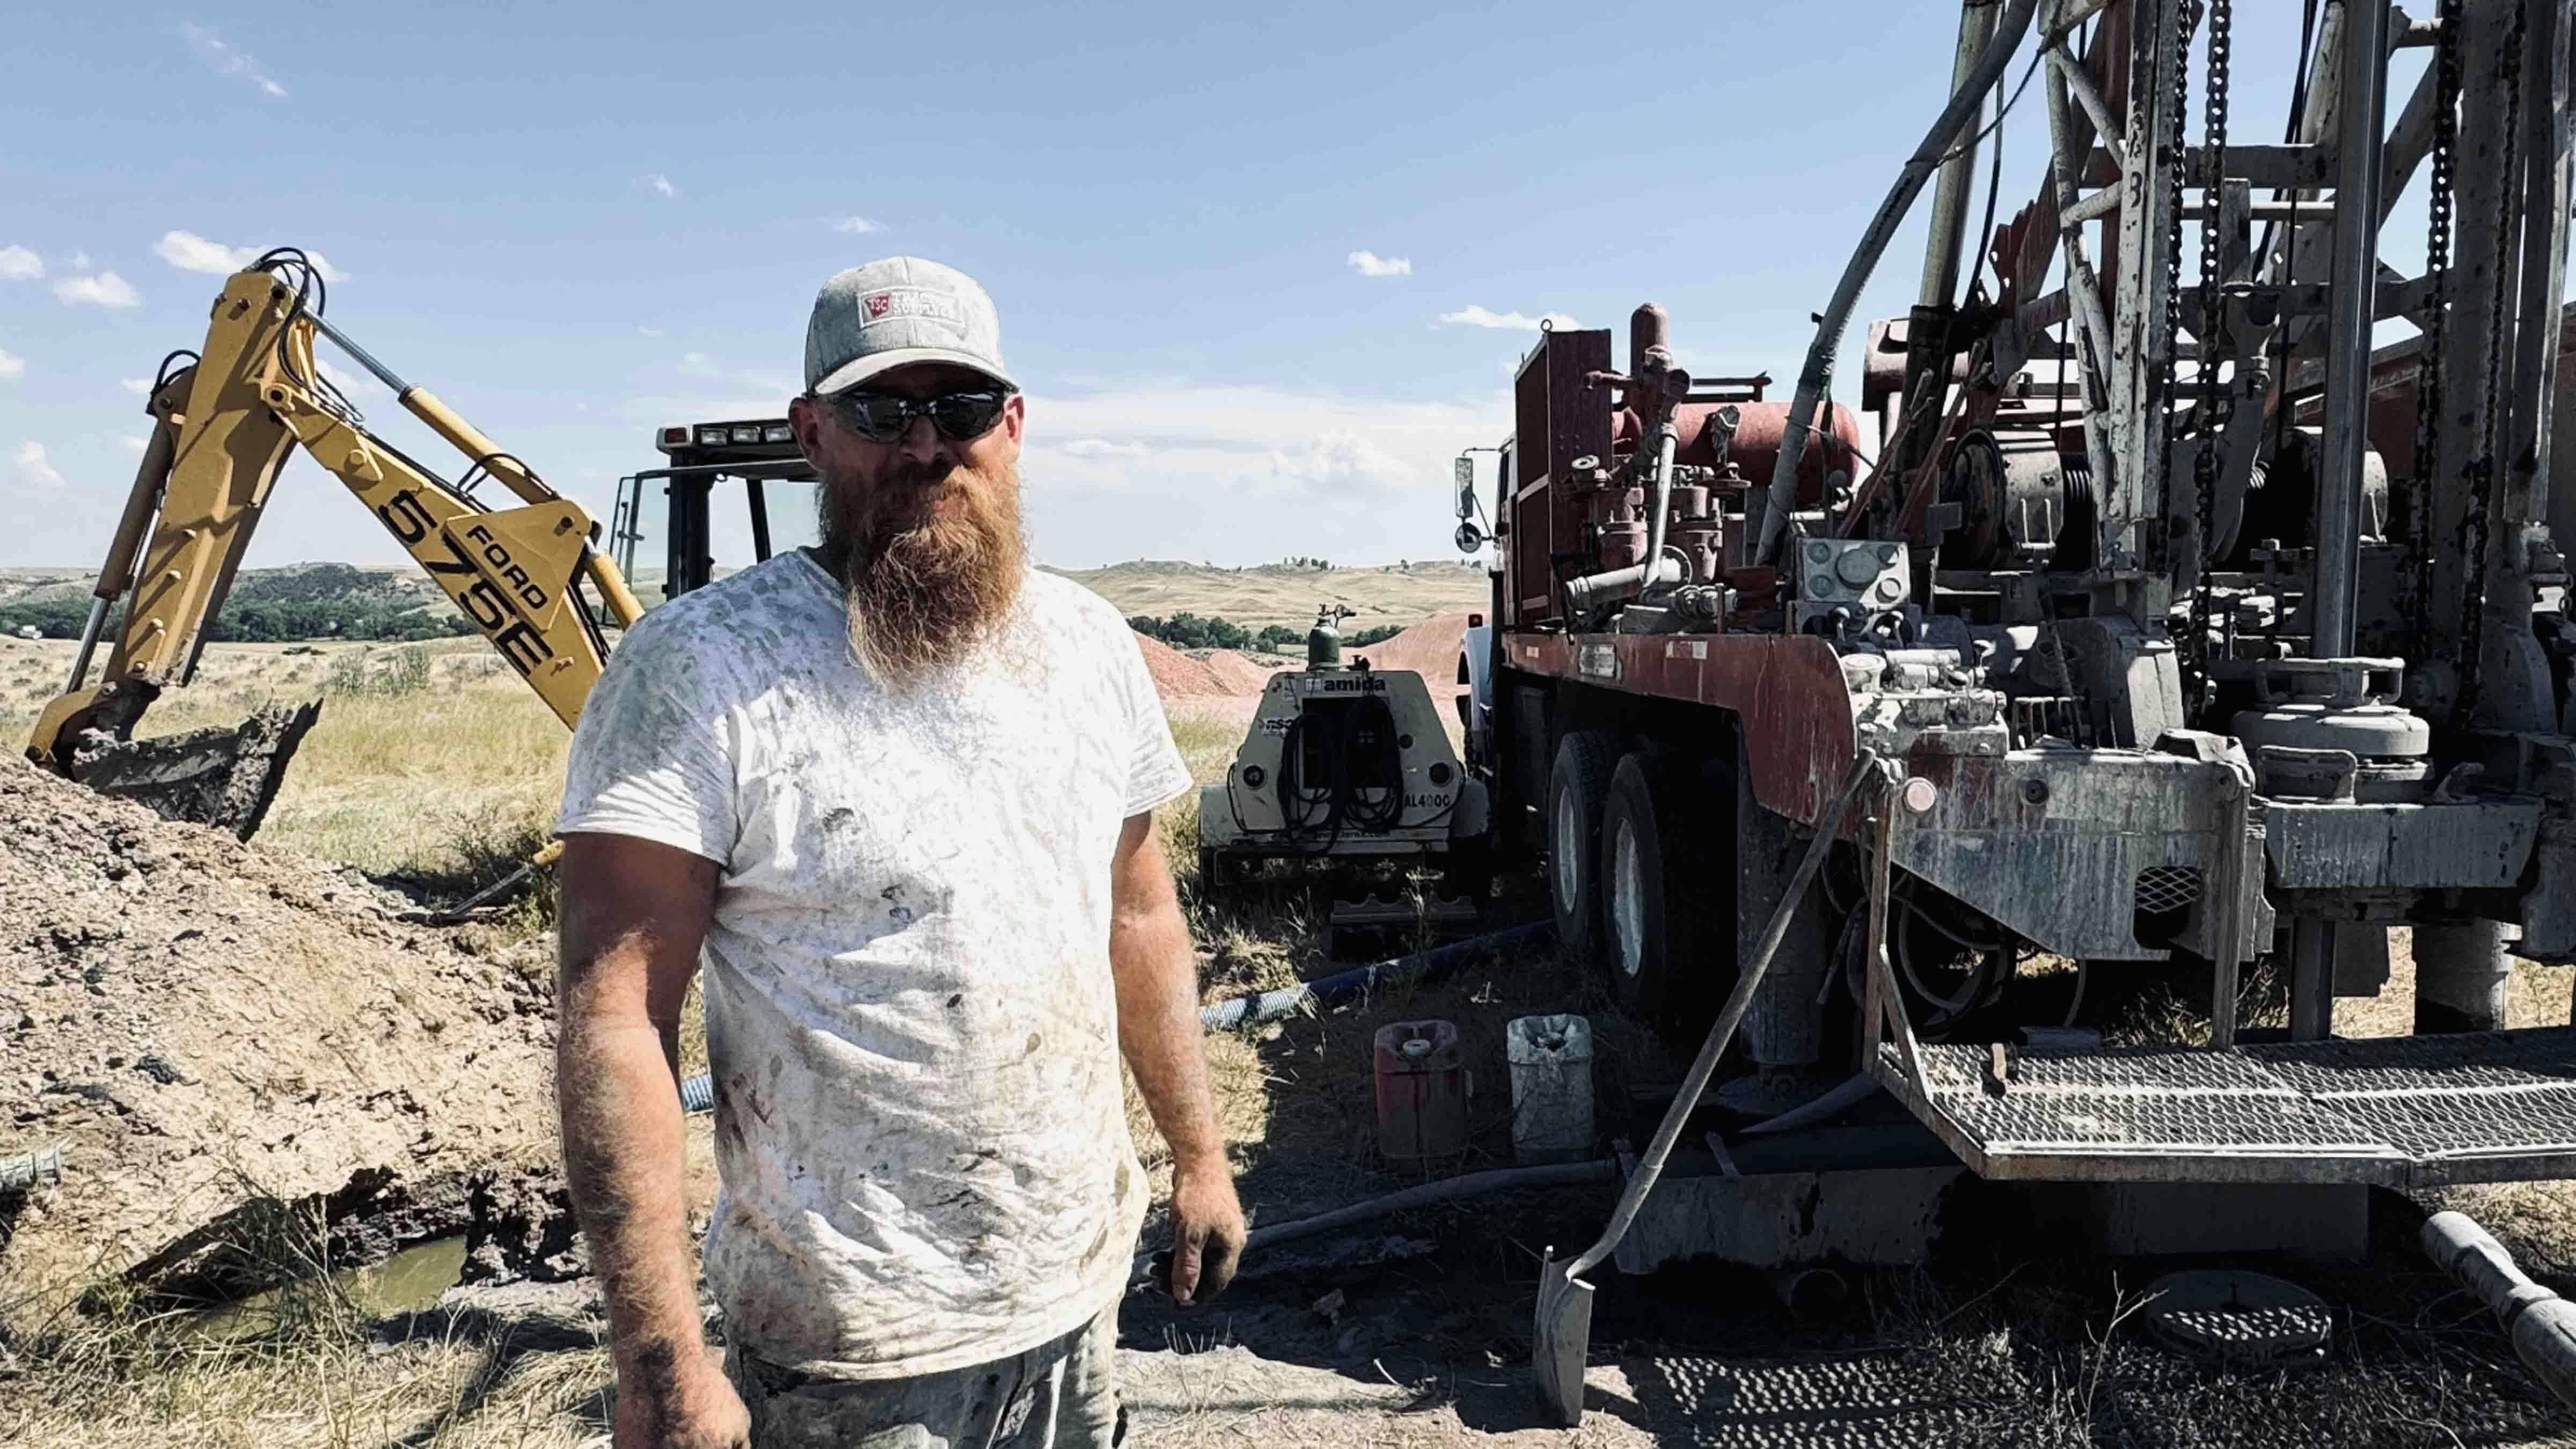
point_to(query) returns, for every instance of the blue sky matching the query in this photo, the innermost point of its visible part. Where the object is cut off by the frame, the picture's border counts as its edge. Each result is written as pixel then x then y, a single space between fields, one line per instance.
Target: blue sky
pixel 576 222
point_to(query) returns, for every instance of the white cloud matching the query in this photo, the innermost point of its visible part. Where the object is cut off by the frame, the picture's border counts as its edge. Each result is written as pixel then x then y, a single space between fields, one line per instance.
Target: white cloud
pixel 17 264
pixel 1370 264
pixel 1103 448
pixel 649 331
pixel 1238 473
pixel 107 289
pixel 230 60
pixel 660 185
pixel 11 364
pixel 1251 440
pixel 80 261
pixel 190 252
pixel 139 386
pixel 700 364
pixel 131 445
pixel 30 466
pixel 343 379
pixel 857 225
pixel 1475 316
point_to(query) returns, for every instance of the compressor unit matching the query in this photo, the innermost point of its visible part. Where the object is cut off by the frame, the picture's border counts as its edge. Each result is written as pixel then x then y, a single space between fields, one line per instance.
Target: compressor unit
pixel 1346 764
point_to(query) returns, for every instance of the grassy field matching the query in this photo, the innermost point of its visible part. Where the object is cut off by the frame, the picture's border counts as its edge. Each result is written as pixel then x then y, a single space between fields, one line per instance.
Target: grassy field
pixel 1383 594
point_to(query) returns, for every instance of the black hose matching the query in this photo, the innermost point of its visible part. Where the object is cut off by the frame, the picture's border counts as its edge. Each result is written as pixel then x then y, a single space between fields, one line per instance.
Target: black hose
pixel 1341 801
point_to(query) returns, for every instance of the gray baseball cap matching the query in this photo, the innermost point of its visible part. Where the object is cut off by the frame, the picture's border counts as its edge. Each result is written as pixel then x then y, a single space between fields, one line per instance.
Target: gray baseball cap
pixel 897 311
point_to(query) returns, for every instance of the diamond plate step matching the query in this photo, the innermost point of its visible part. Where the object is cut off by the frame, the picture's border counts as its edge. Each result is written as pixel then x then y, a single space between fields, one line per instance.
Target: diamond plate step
pixel 2397 1111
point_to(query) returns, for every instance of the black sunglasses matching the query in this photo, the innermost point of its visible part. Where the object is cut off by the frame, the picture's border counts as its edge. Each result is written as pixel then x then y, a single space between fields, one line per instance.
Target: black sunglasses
pixel 884 417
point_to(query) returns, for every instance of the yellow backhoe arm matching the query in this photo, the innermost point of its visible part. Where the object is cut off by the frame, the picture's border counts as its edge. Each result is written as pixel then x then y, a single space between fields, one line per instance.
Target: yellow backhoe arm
pixel 222 431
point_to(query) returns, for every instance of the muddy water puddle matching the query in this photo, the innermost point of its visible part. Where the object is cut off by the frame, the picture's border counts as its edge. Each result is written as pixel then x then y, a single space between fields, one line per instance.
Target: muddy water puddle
pixel 409 1280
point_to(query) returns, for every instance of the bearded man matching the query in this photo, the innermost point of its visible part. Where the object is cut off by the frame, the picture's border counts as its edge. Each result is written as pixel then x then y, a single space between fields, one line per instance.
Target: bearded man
pixel 896 793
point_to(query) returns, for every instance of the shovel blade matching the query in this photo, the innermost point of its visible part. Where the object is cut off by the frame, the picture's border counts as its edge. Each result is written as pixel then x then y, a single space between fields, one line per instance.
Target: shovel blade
pixel 1560 1341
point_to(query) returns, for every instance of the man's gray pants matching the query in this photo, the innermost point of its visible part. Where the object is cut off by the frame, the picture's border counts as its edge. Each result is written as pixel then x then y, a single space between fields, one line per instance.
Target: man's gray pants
pixel 1062 1394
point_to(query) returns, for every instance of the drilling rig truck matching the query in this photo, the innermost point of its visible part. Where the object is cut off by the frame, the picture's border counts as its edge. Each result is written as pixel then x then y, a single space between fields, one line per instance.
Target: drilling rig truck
pixel 2206 627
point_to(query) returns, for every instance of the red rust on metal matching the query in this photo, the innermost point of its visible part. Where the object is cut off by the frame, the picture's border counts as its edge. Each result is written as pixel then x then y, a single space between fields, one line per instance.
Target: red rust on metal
pixel 1759 427
pixel 1786 690
pixel 1649 327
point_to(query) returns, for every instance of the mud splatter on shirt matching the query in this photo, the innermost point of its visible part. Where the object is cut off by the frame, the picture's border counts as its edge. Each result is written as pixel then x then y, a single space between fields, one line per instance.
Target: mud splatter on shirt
pixel 921 1142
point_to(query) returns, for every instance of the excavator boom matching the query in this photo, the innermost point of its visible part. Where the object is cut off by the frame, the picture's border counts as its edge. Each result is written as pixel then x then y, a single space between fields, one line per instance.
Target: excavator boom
pixel 223 428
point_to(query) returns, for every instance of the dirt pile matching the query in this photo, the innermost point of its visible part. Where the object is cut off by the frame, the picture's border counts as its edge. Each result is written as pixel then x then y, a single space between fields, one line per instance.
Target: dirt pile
pixel 1429 648
pixel 1177 675
pixel 210 1030
pixel 1239 673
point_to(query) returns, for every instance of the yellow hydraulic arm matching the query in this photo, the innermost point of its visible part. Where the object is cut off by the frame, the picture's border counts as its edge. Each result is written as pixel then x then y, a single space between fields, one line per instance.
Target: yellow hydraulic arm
pixel 223 426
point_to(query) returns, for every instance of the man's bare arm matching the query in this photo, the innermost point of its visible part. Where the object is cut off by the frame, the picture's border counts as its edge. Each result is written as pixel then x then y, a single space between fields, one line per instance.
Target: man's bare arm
pixel 1158 1031
pixel 634 915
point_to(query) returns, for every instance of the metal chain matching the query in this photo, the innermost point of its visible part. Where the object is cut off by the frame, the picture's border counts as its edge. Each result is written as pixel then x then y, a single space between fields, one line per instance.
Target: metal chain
pixel 2484 476
pixel 2204 463
pixel 2178 97
pixel 2425 481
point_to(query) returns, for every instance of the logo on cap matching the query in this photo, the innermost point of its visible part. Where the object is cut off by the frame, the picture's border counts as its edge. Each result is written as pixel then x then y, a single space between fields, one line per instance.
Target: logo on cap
pixel 896 303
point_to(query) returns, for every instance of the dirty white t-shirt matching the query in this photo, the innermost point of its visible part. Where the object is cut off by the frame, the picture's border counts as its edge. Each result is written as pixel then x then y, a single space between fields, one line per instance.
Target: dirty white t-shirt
pixel 919 1130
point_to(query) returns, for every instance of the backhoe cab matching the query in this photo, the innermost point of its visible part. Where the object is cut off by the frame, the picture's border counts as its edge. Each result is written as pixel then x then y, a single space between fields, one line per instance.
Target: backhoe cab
pixel 701 533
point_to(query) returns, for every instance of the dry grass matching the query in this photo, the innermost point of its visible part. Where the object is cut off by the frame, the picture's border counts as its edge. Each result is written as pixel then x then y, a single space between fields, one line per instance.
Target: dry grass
pixel 1383 594
pixel 426 759
pixel 332 1384
pixel 309 1365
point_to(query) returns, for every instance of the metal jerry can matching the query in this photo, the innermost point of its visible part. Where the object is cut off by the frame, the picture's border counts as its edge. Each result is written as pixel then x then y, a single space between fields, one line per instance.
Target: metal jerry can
pixel 1421 1092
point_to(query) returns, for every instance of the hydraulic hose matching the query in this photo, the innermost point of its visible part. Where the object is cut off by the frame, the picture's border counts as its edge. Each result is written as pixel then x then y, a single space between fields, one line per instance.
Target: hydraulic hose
pixel 1818 372
pixel 2540 1324
pixel 1473 1184
pixel 1850 1093
pixel 1254 1008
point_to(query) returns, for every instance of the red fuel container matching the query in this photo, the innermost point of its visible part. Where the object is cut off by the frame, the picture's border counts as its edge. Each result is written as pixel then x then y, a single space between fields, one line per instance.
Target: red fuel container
pixel 1421 1091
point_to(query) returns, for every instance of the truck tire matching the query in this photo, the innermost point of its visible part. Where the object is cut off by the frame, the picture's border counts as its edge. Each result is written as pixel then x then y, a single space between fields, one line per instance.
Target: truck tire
pixel 1659 931
pixel 1576 783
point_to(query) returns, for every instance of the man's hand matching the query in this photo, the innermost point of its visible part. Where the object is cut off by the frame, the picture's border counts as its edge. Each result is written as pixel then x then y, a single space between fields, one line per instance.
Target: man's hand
pixel 634 914
pixel 1207 1231
pixel 669 1399
pixel 1158 1030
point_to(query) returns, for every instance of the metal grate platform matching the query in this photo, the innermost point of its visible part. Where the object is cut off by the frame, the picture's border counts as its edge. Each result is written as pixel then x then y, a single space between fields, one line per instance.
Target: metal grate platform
pixel 2398 1111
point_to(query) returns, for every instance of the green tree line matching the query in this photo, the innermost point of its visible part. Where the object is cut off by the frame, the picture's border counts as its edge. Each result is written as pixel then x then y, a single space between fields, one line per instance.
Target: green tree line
pixel 260 621
pixel 1186 630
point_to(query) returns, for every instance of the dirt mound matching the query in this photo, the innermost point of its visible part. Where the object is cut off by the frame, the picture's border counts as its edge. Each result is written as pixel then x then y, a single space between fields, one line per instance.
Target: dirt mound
pixel 1177 675
pixel 1240 673
pixel 1429 648
pixel 209 1030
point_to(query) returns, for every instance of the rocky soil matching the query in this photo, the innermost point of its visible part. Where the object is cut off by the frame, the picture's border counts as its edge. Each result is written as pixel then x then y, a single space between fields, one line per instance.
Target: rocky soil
pixel 223 1040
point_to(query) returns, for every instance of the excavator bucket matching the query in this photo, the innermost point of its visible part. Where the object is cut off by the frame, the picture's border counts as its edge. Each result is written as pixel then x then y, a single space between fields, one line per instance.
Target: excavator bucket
pixel 226 778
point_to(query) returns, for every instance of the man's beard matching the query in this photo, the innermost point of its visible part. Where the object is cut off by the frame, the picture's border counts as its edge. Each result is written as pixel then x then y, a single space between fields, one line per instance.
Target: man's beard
pixel 923 588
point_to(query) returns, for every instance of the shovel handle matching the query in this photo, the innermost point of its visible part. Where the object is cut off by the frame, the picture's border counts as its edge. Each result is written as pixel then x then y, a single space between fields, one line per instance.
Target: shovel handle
pixel 1720 1033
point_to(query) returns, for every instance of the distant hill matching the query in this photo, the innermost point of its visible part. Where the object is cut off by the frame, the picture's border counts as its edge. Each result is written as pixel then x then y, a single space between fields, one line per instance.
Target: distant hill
pixel 1384 594
pixel 1281 594
pixel 306 583
pixel 300 601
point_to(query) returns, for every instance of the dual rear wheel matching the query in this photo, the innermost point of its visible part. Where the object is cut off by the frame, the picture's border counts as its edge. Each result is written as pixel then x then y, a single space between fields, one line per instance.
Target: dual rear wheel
pixel 1641 877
